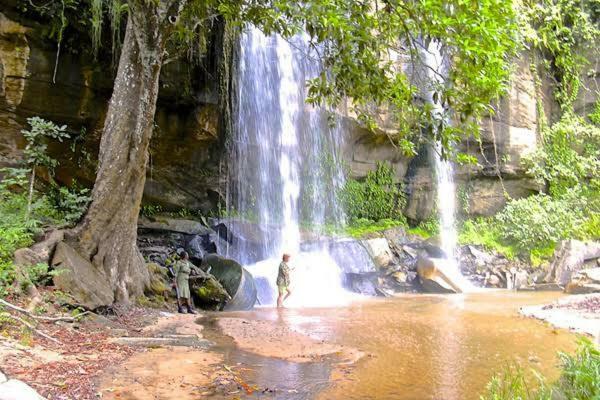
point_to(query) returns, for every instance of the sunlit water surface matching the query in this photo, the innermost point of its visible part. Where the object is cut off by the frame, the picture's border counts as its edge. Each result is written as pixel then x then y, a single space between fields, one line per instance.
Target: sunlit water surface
pixel 418 346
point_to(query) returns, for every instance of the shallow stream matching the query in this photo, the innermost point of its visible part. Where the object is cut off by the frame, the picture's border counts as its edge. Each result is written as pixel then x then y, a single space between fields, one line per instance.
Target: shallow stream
pixel 417 347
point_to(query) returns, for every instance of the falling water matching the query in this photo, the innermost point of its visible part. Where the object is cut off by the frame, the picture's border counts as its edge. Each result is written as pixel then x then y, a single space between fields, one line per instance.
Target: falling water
pixel 284 171
pixel 436 69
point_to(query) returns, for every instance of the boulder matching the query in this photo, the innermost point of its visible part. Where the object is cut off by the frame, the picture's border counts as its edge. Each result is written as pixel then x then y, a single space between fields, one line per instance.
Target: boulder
pixel 186 226
pixel 362 283
pixel 435 276
pixel 77 276
pixel 14 389
pixel 584 281
pixel 351 256
pixel 481 258
pixel 570 257
pixel 521 280
pixel 39 252
pixel 380 252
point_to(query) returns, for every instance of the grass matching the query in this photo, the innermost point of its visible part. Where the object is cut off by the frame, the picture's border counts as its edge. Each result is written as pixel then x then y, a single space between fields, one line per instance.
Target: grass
pixel 579 379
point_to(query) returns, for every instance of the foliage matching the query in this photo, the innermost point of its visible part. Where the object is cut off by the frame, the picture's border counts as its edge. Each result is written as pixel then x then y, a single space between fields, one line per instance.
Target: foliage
pixel 594 116
pixel 375 198
pixel 427 228
pixel 150 210
pixel 569 156
pixel 579 380
pixel 71 203
pixel 563 30
pixel 361 227
pixel 540 220
pixel 36 150
pixel 487 233
pixel 17 229
pixel 357 45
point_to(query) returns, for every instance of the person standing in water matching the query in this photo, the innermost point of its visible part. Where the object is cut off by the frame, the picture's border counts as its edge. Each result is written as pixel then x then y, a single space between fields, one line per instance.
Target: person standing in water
pixel 283 281
pixel 182 270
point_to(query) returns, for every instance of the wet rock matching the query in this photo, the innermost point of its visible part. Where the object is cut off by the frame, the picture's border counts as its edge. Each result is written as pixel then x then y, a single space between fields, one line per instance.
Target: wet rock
pixel 14 389
pixel 481 258
pixel 362 283
pixel 379 251
pixel 400 277
pixel 80 278
pixel 521 280
pixel 410 251
pixel 548 287
pixel 168 224
pixel 244 241
pixel 584 281
pixel 351 256
pixel 569 258
pixel 434 276
pixel 492 280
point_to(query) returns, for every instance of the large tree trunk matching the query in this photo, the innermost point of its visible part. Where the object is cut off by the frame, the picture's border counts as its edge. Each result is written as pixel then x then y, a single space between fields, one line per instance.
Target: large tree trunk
pixel 107 234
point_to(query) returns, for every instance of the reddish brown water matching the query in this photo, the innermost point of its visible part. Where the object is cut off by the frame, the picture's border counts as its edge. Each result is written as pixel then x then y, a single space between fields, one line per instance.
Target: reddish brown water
pixel 425 347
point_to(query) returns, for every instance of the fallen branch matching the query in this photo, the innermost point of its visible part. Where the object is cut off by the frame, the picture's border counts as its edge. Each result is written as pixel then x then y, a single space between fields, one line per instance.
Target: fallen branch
pixel 31 327
pixel 40 317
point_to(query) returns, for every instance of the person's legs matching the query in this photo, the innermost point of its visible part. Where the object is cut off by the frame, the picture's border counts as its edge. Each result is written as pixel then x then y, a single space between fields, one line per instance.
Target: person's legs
pixel 287 294
pixel 190 310
pixel 180 304
pixel 280 290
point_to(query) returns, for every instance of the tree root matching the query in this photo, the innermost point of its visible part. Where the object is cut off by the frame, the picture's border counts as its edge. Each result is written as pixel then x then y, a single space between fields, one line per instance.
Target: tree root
pixel 40 317
pixel 31 327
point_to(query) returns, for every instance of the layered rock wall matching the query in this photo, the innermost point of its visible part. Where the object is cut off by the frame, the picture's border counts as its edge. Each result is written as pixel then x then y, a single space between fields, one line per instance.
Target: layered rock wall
pixel 185 161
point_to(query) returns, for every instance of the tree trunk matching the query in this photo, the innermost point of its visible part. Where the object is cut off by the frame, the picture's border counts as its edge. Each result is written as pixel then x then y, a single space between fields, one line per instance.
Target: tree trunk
pixel 107 235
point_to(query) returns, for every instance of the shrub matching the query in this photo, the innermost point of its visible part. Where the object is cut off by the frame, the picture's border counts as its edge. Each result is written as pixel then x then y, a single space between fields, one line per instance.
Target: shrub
pixel 487 233
pixel 579 380
pixel 540 220
pixel 70 203
pixel 375 198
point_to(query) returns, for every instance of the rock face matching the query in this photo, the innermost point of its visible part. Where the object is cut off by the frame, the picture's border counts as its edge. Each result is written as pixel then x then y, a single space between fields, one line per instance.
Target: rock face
pixel 570 257
pixel 185 153
pixel 584 281
pixel 14 389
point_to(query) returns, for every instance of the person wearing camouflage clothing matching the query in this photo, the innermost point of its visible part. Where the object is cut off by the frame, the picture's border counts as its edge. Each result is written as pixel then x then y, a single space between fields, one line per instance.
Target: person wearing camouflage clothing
pixel 283 281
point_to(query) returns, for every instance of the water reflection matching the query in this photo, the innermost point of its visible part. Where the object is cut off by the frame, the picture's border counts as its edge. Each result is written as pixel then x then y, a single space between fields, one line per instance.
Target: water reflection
pixel 419 347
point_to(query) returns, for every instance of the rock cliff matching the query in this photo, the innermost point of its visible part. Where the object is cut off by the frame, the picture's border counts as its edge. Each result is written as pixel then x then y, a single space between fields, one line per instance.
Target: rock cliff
pixel 188 162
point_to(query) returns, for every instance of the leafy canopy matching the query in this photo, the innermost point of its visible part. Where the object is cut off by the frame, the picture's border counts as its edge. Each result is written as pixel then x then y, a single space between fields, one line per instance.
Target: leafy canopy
pixel 366 51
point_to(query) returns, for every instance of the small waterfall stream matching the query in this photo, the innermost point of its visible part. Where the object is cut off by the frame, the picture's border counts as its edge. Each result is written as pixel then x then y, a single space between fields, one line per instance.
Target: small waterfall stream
pixel 435 66
pixel 284 171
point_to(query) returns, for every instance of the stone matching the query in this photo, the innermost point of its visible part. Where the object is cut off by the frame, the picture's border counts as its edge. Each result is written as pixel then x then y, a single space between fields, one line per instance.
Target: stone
pixel 570 257
pixel 380 252
pixel 411 251
pixel 435 276
pixel 400 276
pixel 584 281
pixel 80 278
pixel 521 280
pixel 481 258
pixel 40 252
pixel 362 283
pixel 351 256
pixel 548 287
pixel 14 389
pixel 492 281
pixel 186 226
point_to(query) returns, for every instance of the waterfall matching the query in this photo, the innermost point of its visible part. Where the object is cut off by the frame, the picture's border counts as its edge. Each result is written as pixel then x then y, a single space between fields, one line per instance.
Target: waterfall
pixel 284 171
pixel 436 71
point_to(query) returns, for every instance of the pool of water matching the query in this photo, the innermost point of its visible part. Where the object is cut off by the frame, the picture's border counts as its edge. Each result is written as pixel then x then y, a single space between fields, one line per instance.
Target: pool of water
pixel 418 346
